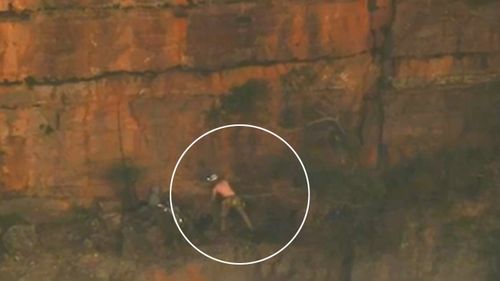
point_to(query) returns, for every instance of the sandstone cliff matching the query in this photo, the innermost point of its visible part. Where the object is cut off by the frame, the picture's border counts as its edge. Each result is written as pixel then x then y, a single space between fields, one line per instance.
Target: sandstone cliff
pixel 94 92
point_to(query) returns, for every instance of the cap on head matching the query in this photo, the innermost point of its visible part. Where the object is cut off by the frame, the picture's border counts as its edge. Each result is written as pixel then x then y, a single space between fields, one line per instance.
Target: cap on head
pixel 212 178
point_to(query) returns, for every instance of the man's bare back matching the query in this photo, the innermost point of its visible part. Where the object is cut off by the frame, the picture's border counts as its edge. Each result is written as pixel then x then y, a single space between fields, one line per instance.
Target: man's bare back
pixel 223 189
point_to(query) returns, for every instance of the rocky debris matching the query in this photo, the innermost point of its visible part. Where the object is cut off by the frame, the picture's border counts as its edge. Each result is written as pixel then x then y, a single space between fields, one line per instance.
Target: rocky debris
pixel 126 270
pixel 44 268
pixel 284 267
pixel 88 244
pixel 96 266
pixel 101 239
pixel 134 245
pixel 141 260
pixel 297 263
pixel 20 240
pixel 154 197
pixel 144 236
pixel 92 266
pixel 110 213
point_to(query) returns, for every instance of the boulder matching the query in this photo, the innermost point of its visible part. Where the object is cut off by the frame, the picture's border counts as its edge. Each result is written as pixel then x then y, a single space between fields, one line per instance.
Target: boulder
pixel 20 240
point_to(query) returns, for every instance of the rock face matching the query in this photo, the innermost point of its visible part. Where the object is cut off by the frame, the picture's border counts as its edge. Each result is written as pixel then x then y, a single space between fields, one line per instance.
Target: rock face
pixel 445 65
pixel 98 98
pixel 92 87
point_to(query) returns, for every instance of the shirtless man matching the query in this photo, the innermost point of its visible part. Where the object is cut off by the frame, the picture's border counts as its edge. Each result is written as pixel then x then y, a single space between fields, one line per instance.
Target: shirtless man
pixel 229 200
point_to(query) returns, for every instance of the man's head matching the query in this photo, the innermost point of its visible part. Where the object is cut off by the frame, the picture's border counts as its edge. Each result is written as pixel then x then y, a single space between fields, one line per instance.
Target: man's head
pixel 212 178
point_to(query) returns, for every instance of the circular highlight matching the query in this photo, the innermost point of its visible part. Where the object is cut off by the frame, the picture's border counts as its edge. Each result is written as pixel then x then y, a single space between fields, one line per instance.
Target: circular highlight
pixel 305 214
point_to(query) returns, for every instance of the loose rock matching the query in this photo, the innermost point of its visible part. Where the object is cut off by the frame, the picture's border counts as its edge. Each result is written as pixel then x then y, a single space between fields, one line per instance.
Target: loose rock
pixel 20 240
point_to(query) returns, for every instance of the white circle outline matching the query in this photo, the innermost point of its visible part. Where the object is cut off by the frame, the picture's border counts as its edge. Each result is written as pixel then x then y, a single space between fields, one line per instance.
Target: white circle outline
pixel 308 194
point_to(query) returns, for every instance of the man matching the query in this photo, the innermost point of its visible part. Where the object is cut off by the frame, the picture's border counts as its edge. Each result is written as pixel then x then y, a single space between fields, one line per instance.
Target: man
pixel 229 200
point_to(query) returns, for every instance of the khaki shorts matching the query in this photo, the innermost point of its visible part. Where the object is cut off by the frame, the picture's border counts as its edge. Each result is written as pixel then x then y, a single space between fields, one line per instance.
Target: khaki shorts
pixel 233 202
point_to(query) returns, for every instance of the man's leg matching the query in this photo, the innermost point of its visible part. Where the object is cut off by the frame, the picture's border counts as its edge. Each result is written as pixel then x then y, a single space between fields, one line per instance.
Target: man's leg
pixel 223 214
pixel 245 217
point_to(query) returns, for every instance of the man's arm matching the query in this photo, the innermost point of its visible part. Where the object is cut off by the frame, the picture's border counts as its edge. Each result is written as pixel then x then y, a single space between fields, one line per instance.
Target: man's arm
pixel 214 193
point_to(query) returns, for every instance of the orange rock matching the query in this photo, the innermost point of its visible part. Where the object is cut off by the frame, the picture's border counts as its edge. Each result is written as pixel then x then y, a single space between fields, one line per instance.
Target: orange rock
pixel 448 69
pixel 18 5
pixel 426 70
pixel 381 18
pixel 88 43
pixel 14 174
pixel 299 37
pixel 21 5
pixel 90 126
pixel 194 273
pixel 85 43
pixel 383 3
pixel 437 28
pixel 370 156
pixel 427 120
pixel 349 26
pixel 181 2
pixel 160 275
pixel 291 32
